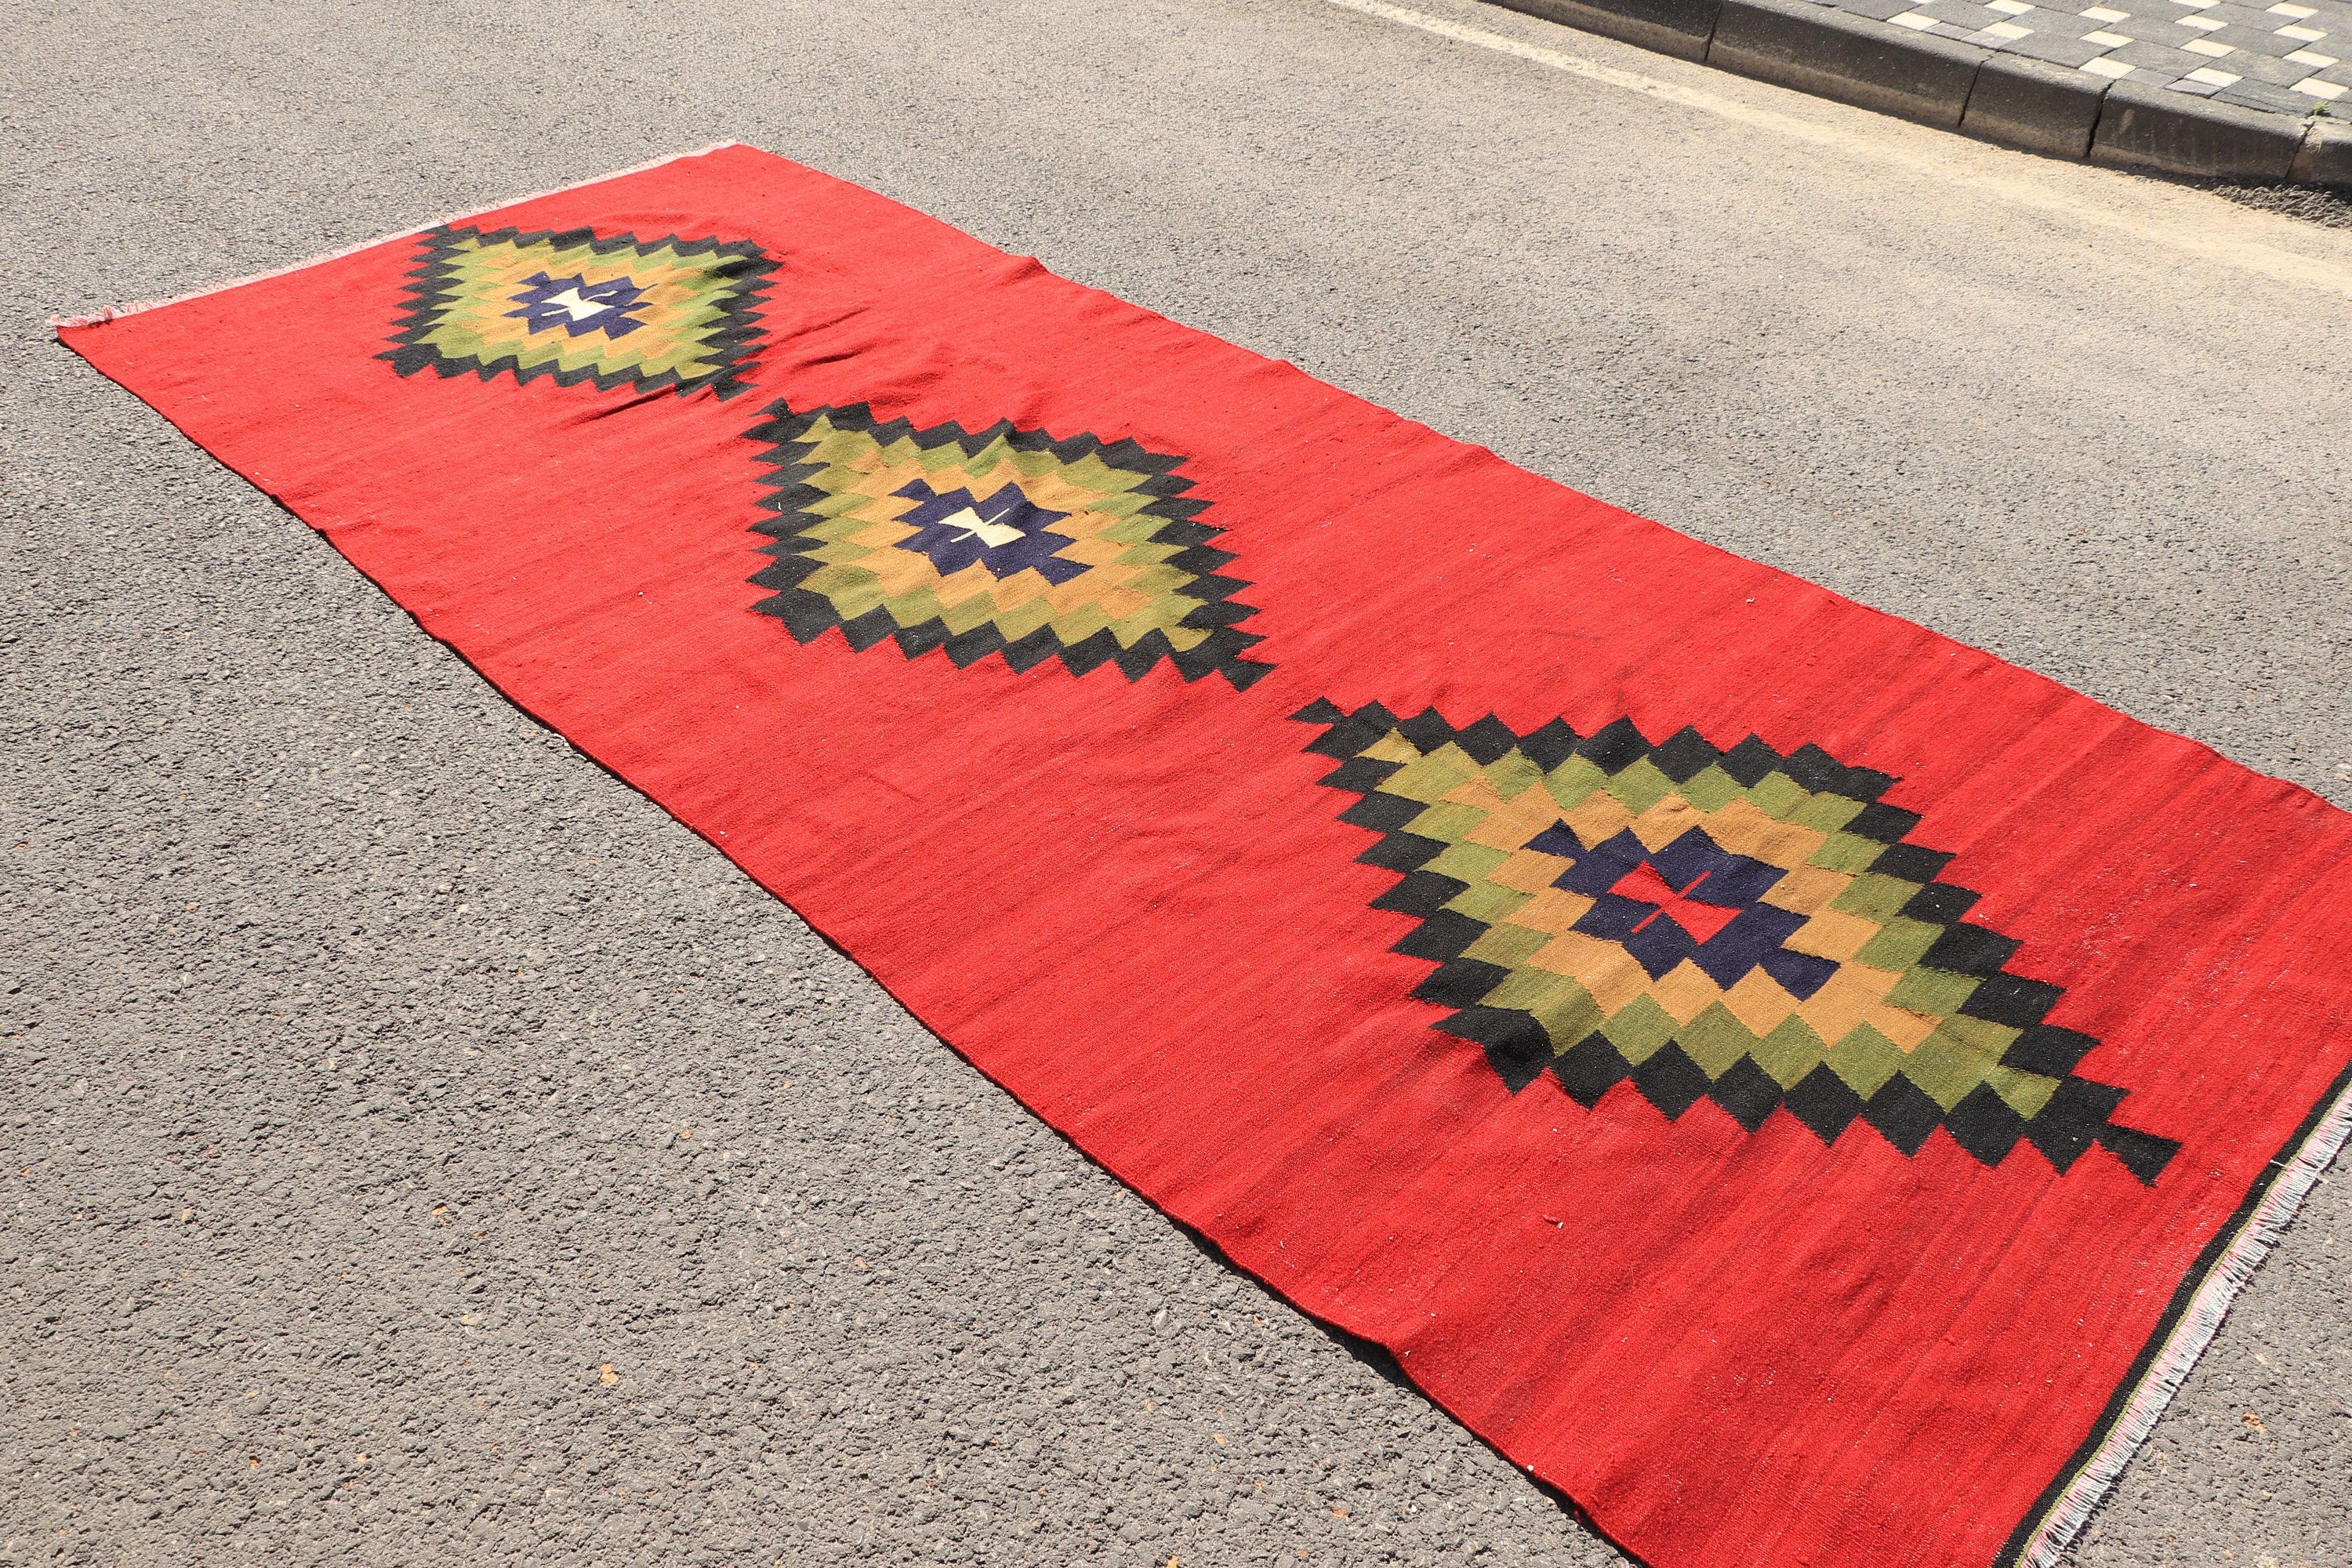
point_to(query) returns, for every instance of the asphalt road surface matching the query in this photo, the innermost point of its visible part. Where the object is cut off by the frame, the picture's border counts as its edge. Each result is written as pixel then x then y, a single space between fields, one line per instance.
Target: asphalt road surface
pixel 419 1150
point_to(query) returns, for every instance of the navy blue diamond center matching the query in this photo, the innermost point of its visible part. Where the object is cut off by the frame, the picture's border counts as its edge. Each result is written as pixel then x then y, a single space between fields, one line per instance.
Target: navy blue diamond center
pixel 1006 533
pixel 578 306
pixel 1691 900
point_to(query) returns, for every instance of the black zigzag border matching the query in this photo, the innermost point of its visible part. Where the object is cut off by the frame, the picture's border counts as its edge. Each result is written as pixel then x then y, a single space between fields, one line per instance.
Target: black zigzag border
pixel 1520 1050
pixel 436 271
pixel 808 615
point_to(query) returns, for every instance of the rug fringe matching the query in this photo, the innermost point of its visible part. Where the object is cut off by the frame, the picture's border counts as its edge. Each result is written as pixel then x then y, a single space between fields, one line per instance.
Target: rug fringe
pixel 2295 1177
pixel 112 312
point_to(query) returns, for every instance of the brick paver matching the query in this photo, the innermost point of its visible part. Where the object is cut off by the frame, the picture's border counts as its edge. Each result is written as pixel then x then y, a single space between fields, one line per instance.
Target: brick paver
pixel 2291 57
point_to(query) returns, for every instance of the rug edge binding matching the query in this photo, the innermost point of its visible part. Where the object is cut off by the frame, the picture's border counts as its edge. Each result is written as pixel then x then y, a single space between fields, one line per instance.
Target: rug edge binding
pixel 133 308
pixel 2296 1174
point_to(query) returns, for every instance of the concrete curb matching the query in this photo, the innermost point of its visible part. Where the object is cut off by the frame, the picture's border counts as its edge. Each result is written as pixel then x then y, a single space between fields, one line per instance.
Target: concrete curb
pixel 2174 134
pixel 1678 27
pixel 2325 156
pixel 2041 108
pixel 1976 91
pixel 1836 54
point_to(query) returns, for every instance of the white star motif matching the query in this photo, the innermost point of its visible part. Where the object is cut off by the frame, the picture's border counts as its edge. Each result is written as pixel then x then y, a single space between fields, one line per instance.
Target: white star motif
pixel 972 525
pixel 578 307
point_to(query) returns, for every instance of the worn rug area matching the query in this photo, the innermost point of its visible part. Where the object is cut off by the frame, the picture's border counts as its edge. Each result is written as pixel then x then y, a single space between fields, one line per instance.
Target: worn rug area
pixel 1803 1086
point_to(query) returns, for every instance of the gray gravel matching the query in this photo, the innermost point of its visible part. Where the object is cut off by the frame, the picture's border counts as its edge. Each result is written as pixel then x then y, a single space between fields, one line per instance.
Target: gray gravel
pixel 419 1150
pixel 2308 202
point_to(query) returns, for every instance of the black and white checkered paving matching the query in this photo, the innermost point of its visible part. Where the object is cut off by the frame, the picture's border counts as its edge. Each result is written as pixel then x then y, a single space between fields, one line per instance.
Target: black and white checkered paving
pixel 2292 57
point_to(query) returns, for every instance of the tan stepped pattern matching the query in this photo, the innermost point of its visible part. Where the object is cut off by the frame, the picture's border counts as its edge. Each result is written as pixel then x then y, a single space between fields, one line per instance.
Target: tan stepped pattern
pixel 999 541
pixel 574 307
pixel 1739 926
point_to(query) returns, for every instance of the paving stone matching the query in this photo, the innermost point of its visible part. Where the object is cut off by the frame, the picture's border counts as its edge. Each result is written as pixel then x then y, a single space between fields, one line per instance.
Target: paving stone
pixel 2157 55
pixel 1960 14
pixel 2241 16
pixel 2255 42
pixel 2154 30
pixel 2059 24
pixel 2052 47
pixel 2278 73
pixel 1920 59
pixel 2251 94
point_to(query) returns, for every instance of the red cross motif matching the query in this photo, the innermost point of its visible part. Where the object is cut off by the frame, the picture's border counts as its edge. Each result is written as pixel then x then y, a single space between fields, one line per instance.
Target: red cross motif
pixel 1643 885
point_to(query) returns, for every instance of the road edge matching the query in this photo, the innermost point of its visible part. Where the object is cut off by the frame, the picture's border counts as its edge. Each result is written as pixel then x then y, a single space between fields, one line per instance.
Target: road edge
pixel 1976 91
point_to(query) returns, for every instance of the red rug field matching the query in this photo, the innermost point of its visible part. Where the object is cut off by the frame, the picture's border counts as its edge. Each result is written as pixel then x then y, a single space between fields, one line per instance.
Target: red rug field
pixel 1801 1086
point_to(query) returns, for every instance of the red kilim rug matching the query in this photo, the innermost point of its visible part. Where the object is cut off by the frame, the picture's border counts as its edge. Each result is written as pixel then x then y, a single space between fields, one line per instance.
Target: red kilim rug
pixel 1802 1086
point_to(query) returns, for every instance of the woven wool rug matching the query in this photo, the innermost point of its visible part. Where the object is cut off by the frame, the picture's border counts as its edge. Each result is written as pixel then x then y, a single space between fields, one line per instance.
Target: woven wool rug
pixel 1802 1086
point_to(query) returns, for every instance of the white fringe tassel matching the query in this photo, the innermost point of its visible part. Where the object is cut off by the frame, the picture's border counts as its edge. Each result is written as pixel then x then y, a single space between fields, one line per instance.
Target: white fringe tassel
pixel 2195 1330
pixel 113 311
